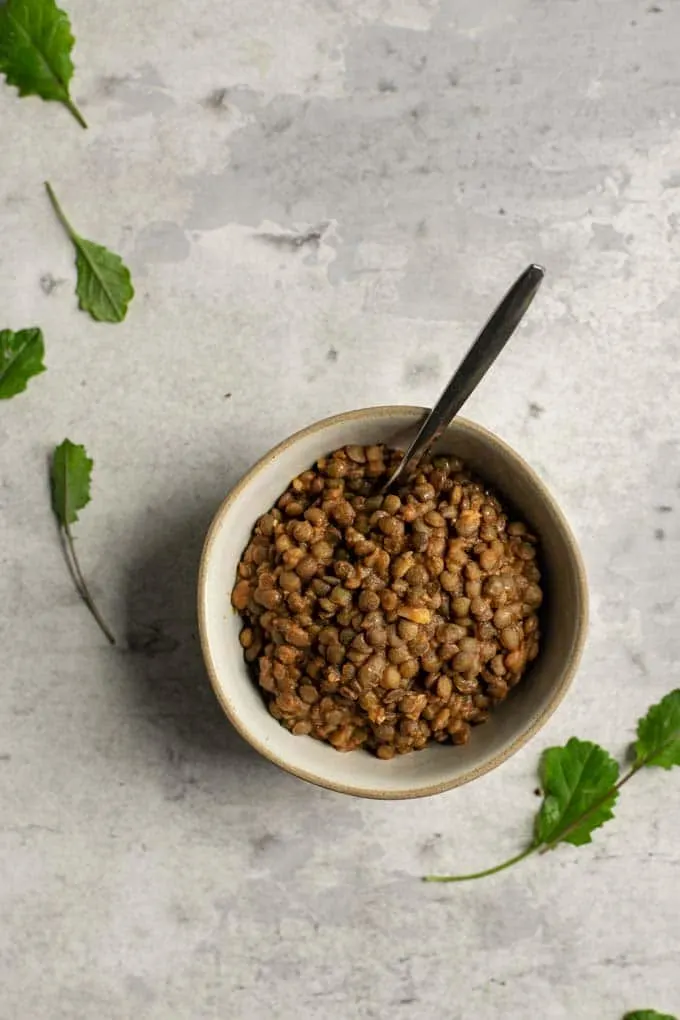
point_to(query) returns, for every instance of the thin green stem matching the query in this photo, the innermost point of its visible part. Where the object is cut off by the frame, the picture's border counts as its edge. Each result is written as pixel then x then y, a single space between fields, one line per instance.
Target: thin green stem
pixel 483 874
pixel 535 847
pixel 73 109
pixel 545 847
pixel 81 584
pixel 633 771
pixel 61 216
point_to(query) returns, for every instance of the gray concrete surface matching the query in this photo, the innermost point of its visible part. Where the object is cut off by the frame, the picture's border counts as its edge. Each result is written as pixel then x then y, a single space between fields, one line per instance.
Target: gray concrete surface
pixel 152 866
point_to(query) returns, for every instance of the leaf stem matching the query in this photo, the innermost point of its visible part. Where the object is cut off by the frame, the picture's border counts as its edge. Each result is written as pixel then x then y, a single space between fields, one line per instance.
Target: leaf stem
pixel 80 582
pixel 61 216
pixel 534 847
pixel 488 871
pixel 73 109
pixel 634 769
pixel 94 259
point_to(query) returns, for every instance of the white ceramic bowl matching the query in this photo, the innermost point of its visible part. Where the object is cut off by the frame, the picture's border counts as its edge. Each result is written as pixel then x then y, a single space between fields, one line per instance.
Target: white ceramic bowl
pixel 439 767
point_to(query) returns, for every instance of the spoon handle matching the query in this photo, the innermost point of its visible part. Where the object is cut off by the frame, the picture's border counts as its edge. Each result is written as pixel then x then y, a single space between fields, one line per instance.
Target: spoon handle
pixel 473 368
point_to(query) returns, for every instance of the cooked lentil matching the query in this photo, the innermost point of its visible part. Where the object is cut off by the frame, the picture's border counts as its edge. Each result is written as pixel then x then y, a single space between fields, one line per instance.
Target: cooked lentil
pixel 388 622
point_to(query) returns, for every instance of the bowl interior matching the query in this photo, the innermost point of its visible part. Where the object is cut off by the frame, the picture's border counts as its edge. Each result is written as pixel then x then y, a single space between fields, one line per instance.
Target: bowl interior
pixel 435 768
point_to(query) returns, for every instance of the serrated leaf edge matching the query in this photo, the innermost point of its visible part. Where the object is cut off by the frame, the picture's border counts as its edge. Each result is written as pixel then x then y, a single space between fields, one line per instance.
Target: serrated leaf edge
pixel 550 798
pixel 120 314
pixel 38 338
pixel 63 85
pixel 643 761
pixel 64 513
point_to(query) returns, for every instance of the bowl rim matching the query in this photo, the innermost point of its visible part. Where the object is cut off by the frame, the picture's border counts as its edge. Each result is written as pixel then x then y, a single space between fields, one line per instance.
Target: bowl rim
pixel 537 722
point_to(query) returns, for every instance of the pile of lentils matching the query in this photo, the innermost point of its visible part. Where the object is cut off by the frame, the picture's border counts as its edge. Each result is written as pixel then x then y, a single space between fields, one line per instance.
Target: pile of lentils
pixel 387 622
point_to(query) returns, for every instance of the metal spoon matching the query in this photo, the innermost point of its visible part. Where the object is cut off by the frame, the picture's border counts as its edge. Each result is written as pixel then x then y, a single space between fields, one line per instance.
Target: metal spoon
pixel 472 369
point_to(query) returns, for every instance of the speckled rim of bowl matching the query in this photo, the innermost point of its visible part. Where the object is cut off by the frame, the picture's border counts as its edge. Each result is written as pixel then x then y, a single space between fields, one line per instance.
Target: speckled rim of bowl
pixel 536 723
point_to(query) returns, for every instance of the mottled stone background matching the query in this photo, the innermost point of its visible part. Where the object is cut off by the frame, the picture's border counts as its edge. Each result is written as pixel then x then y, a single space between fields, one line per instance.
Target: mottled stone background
pixel 320 202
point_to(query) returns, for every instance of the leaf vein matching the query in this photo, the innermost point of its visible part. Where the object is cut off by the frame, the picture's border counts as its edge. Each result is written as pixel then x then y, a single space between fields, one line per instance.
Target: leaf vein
pixel 43 58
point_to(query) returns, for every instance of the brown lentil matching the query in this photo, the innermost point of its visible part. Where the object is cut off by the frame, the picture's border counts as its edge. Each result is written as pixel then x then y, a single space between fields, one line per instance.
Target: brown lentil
pixel 388 622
